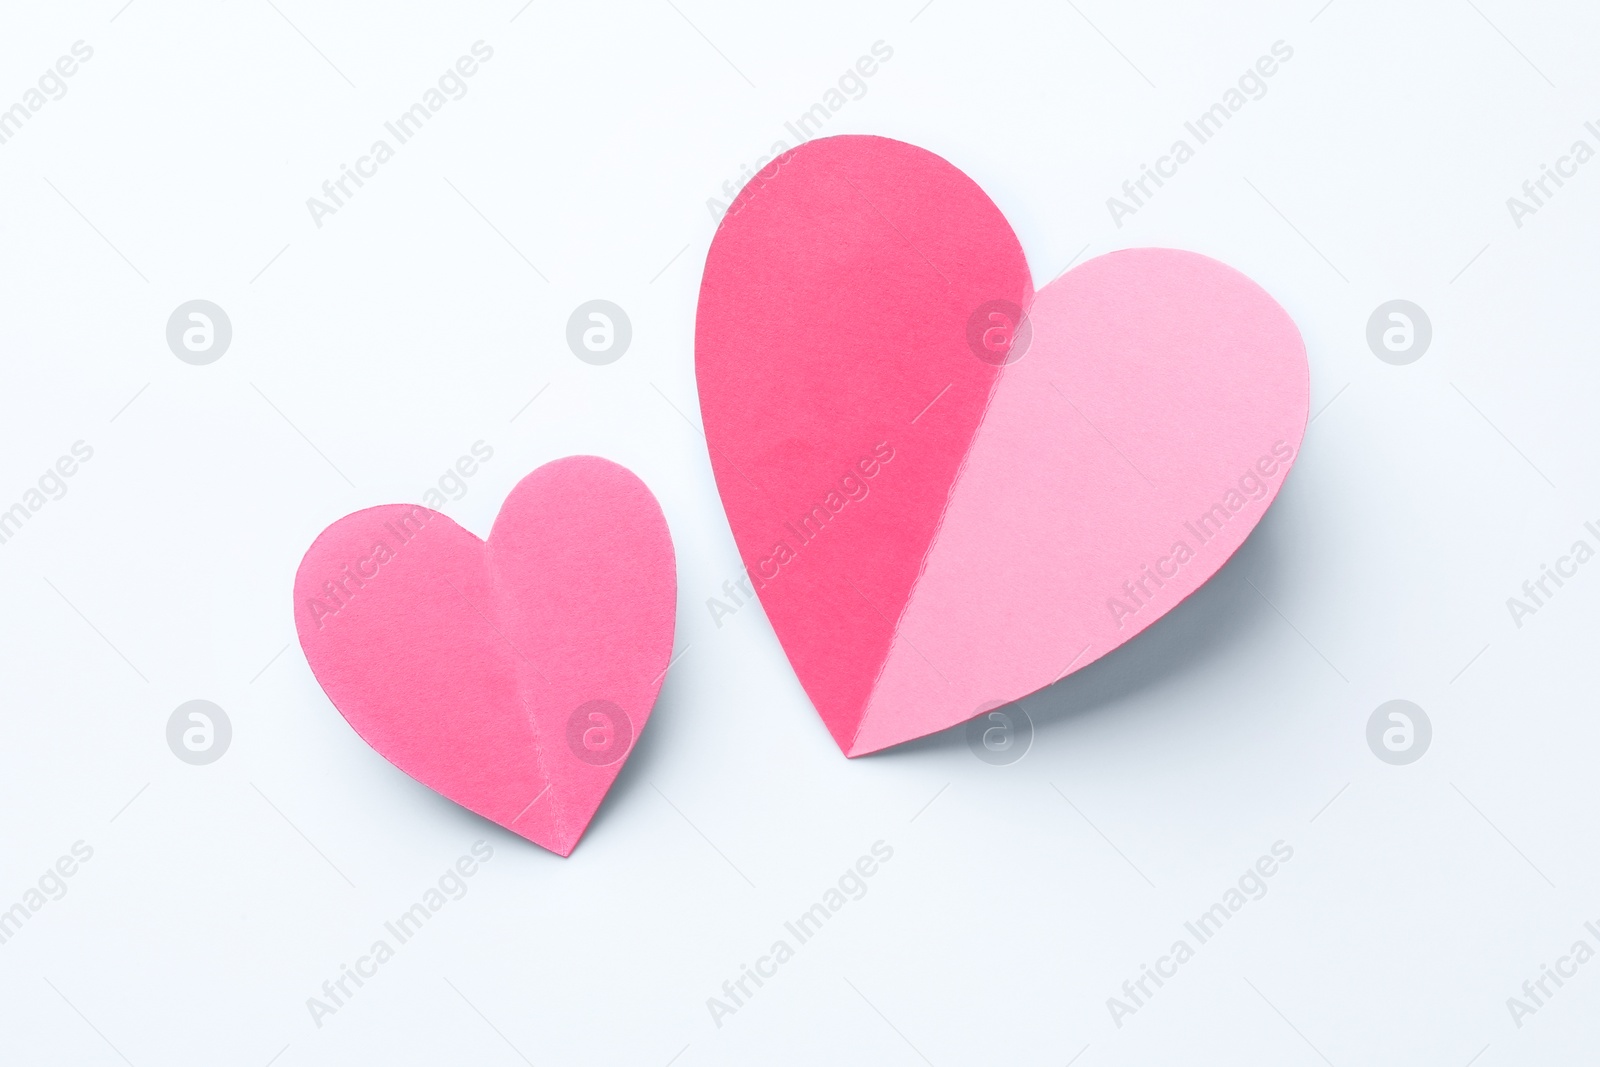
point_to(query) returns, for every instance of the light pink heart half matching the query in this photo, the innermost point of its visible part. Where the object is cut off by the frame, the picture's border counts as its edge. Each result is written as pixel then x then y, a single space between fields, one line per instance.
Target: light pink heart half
pixel 511 675
pixel 1030 515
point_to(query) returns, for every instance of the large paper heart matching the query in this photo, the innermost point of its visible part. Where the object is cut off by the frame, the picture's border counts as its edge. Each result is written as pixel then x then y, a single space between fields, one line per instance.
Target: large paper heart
pixel 511 675
pixel 951 491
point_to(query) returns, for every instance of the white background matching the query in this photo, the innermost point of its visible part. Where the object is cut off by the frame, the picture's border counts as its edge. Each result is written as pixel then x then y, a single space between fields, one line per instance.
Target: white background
pixel 424 315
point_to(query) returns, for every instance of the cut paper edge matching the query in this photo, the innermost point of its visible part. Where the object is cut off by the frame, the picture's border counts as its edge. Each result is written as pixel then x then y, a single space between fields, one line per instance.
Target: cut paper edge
pixel 559 813
pixel 855 183
pixel 748 268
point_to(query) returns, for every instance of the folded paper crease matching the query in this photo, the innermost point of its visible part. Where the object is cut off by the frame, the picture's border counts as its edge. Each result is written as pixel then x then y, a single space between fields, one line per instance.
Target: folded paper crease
pixel 1016 519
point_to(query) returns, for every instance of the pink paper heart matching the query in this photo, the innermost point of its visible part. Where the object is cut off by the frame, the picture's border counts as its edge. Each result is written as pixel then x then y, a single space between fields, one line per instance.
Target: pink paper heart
pixel 951 491
pixel 510 675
